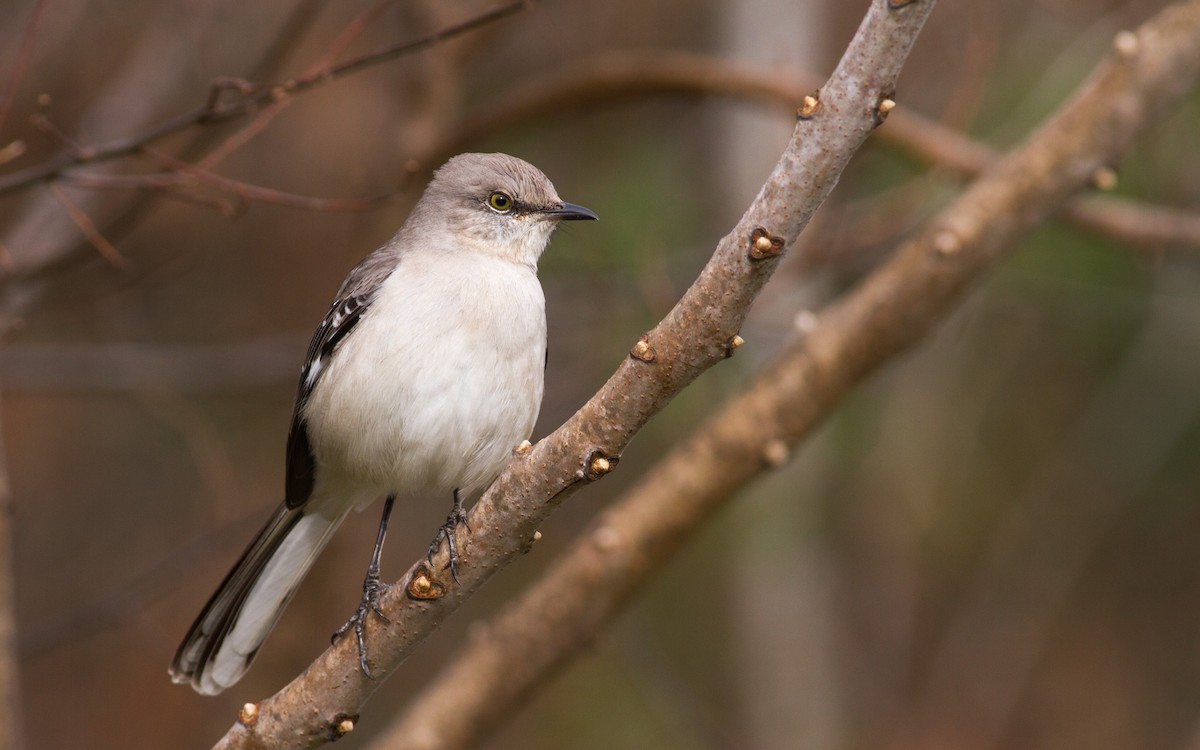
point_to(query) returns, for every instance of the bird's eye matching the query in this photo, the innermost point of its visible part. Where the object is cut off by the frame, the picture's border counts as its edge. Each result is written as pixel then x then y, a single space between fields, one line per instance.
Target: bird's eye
pixel 501 202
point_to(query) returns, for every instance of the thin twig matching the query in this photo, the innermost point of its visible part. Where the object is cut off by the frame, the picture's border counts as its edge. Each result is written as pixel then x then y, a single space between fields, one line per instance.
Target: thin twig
pixel 21 62
pixel 190 175
pixel 260 122
pixel 246 97
pixel 177 185
pixel 390 53
pixel 93 234
pixel 263 194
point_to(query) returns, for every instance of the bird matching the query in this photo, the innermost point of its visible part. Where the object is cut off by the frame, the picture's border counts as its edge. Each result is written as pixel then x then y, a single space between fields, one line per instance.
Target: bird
pixel 427 371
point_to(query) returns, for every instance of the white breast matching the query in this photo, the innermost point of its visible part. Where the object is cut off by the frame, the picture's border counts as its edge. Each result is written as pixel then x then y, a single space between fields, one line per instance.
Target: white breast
pixel 438 382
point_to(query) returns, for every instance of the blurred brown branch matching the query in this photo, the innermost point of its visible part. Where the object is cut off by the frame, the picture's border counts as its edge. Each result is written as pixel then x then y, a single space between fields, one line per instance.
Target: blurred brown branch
pixel 699 332
pixel 264 117
pixel 1142 224
pixel 230 97
pixel 88 228
pixel 44 242
pixel 512 655
pixel 10 682
pixel 20 65
pixel 615 76
pixel 191 174
pixel 186 175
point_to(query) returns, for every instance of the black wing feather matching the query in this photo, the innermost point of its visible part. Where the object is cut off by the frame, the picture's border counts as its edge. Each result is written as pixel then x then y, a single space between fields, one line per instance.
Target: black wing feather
pixel 301 464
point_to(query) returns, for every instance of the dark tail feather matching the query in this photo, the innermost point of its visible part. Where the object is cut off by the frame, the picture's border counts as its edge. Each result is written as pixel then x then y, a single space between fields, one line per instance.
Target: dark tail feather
pixel 226 636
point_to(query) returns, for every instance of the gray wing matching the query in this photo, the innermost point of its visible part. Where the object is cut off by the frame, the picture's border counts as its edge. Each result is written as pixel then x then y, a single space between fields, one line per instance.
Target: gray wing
pixel 353 300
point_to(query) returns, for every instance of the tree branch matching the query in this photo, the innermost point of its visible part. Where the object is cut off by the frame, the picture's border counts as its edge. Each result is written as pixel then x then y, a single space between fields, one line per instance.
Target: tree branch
pixel 21 64
pixel 580 593
pixel 614 76
pixel 229 98
pixel 322 703
pixel 200 174
pixel 10 683
pixel 43 240
pixel 89 228
pixel 264 117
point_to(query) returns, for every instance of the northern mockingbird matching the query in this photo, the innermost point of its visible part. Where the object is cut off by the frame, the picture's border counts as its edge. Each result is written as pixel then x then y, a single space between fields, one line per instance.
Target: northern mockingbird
pixel 424 375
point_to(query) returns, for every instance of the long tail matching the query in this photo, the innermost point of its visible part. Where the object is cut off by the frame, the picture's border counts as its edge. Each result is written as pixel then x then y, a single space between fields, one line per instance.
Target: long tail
pixel 226 636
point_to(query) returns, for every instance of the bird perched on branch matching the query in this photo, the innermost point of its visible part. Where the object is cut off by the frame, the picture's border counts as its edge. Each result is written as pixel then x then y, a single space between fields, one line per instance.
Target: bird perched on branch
pixel 424 375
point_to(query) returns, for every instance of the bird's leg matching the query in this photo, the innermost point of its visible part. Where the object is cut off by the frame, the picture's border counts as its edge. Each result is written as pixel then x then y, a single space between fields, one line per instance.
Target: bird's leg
pixel 457 516
pixel 372 586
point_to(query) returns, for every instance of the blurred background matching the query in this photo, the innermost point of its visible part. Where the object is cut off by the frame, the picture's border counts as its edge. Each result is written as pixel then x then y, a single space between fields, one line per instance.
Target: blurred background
pixel 992 544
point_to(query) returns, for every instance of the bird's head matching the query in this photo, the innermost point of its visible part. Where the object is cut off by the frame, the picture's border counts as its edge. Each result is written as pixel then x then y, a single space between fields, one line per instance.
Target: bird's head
pixel 498 204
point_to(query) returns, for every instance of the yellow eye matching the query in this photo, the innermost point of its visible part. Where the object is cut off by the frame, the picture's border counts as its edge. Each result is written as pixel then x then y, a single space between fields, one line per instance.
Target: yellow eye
pixel 501 202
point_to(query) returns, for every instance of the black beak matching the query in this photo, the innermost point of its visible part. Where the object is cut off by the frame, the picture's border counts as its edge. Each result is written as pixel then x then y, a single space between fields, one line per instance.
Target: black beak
pixel 571 212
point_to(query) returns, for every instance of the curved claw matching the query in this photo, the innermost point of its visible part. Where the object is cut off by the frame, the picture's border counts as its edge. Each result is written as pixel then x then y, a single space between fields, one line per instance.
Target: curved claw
pixel 372 587
pixel 446 531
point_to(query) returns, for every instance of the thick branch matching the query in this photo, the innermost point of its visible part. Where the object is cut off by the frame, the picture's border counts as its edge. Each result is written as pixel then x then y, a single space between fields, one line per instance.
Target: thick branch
pixel 896 306
pixel 695 335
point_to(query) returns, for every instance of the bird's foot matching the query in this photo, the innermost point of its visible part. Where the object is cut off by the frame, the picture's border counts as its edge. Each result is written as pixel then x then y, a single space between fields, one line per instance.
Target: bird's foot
pixel 372 588
pixel 446 531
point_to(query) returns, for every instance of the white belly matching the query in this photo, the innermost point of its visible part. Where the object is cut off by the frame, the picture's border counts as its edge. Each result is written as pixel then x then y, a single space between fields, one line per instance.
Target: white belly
pixel 437 383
